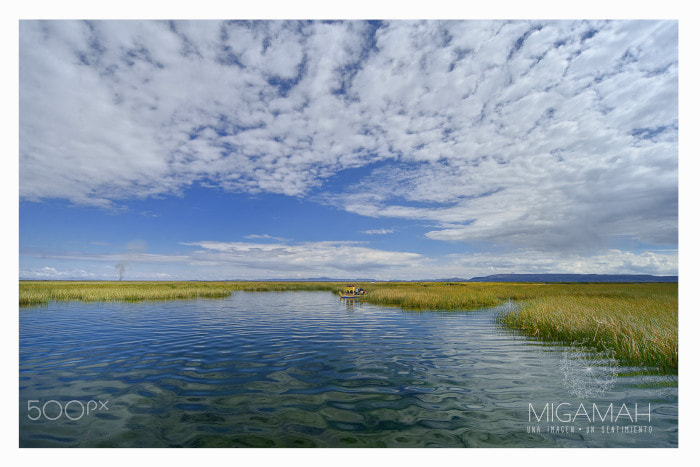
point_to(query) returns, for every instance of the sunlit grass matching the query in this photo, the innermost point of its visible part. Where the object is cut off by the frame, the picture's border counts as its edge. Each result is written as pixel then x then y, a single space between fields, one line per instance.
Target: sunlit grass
pixel 38 292
pixel 640 330
pixel 447 296
pixel 639 322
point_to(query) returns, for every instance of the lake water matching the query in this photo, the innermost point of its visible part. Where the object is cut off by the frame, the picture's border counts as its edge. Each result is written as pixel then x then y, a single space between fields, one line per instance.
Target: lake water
pixel 304 369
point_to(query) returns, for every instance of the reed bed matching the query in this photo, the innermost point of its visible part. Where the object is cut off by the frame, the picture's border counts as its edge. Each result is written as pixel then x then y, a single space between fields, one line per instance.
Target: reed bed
pixel 473 295
pixel 641 331
pixel 639 322
pixel 38 292
pixel 446 296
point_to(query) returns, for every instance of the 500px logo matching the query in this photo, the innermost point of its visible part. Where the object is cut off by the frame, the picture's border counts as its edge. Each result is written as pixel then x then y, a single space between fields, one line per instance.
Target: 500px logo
pixel 73 410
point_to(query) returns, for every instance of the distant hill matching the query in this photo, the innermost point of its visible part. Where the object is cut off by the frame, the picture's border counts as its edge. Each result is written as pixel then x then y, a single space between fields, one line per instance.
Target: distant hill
pixel 574 278
pixel 314 279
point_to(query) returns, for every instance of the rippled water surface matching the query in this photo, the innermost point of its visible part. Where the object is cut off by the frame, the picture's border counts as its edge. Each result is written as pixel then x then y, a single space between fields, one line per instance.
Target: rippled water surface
pixel 305 369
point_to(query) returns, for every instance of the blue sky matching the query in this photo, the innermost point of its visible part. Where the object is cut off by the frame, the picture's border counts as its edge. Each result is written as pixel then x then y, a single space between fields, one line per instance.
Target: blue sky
pixel 391 150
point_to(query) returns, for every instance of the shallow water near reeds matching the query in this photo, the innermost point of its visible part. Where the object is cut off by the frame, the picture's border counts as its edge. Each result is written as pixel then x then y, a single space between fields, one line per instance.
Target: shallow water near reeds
pixel 304 369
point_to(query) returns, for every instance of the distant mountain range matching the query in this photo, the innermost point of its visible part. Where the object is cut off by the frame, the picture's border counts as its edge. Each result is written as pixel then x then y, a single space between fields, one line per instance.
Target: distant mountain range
pixel 573 278
pixel 521 278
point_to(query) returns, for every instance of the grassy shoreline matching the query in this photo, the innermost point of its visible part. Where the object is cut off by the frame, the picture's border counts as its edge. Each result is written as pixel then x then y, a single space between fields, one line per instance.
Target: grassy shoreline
pixel 639 322
pixel 639 331
pixel 39 292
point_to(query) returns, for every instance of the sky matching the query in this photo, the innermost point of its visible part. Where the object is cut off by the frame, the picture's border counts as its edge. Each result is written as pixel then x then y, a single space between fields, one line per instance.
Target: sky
pixel 391 150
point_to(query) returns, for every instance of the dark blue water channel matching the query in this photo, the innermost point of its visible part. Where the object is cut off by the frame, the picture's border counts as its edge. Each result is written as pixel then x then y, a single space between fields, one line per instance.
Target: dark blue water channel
pixel 303 369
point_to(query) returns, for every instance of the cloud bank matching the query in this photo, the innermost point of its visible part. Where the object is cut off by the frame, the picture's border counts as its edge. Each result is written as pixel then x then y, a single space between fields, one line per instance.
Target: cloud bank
pixel 214 260
pixel 533 135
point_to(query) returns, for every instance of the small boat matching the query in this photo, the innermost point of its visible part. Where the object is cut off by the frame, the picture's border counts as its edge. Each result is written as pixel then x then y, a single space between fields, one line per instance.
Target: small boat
pixel 352 292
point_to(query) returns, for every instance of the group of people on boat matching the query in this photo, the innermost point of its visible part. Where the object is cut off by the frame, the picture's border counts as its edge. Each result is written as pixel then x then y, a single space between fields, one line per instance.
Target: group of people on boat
pixel 351 291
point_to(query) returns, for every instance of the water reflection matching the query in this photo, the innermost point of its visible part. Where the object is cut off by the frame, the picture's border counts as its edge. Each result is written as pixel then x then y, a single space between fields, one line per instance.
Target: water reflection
pixel 351 304
pixel 304 369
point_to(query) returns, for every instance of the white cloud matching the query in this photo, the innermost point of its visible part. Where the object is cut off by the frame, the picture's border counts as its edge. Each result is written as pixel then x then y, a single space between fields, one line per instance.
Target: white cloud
pixel 248 260
pixel 552 149
pixel 311 258
pixel 378 231
pixel 119 109
pixel 238 260
pixel 540 135
pixel 51 273
pixel 264 237
pixel 537 262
